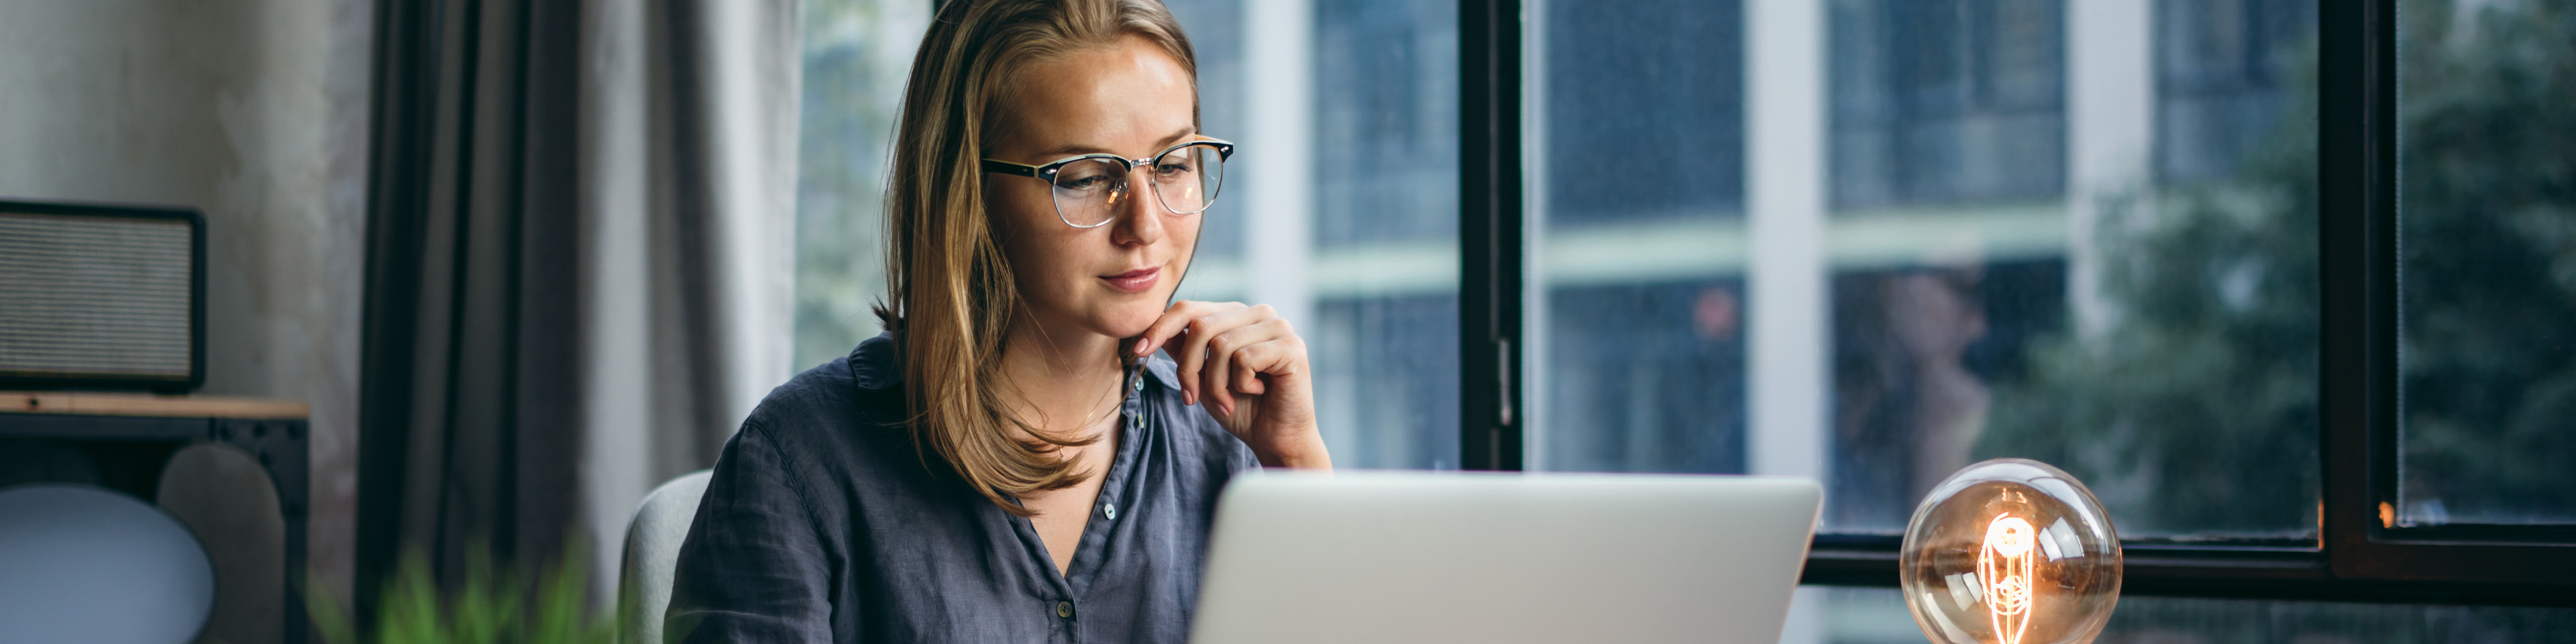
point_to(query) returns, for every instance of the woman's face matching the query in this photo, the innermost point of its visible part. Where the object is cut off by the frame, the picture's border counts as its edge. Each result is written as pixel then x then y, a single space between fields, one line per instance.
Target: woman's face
pixel 1131 100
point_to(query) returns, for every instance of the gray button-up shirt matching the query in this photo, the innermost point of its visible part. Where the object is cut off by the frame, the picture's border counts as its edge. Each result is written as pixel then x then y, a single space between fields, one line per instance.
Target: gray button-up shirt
pixel 823 523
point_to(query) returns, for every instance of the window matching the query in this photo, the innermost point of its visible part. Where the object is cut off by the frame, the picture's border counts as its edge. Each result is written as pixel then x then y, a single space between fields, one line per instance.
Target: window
pixel 1946 101
pixel 1990 260
pixel 1638 209
pixel 2142 240
pixel 857 55
pixel 2487 232
pixel 2287 282
pixel 2225 74
pixel 1343 209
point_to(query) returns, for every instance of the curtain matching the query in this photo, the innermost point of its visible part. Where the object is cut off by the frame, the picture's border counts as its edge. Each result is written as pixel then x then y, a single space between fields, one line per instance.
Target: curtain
pixel 579 265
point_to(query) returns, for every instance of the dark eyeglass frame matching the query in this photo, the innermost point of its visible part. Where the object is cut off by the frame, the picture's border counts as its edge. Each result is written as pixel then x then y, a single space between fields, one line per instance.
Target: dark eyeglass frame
pixel 1046 172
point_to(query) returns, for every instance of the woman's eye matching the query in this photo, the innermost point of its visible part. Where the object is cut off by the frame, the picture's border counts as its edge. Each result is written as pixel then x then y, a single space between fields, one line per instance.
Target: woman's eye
pixel 1173 169
pixel 1081 183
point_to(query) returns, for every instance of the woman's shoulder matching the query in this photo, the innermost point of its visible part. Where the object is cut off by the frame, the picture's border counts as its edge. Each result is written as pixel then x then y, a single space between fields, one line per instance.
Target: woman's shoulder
pixel 841 402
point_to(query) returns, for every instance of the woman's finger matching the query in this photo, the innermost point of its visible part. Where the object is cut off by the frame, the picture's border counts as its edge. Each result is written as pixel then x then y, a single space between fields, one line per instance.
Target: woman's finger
pixel 1277 353
pixel 1176 319
pixel 1191 349
pixel 1186 320
pixel 1251 362
pixel 1269 348
pixel 1220 367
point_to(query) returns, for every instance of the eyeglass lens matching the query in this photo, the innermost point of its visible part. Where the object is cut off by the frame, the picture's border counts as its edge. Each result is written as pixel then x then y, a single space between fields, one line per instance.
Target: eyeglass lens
pixel 1090 192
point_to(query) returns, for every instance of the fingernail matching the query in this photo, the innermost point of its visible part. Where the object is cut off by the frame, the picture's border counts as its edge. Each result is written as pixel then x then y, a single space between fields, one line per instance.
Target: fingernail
pixel 1144 347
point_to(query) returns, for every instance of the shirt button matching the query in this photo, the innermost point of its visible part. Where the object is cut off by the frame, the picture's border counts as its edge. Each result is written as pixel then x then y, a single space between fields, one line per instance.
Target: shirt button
pixel 1109 511
pixel 1064 609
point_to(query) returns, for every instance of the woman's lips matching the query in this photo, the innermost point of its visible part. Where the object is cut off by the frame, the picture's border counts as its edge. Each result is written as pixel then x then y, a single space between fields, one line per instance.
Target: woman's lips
pixel 1135 281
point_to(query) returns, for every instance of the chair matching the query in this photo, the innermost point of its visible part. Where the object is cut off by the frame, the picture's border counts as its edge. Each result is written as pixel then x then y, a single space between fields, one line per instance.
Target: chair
pixel 81 563
pixel 652 549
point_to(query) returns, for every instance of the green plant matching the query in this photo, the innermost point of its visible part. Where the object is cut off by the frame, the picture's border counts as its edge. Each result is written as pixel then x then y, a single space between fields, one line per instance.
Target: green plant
pixel 487 606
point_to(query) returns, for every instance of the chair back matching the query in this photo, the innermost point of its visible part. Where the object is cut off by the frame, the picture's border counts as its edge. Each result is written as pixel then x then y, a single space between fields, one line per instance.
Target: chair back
pixel 652 550
pixel 82 563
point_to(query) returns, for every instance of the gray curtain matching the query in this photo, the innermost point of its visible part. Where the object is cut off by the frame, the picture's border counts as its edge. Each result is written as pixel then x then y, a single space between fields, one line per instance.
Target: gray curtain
pixel 579 264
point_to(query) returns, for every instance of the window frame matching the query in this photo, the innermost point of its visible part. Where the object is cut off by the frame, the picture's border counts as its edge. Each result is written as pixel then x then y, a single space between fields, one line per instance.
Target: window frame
pixel 2355 557
pixel 1491 235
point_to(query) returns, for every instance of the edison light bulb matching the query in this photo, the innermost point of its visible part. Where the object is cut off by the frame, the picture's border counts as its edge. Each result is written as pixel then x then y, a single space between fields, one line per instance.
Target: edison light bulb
pixel 2010 551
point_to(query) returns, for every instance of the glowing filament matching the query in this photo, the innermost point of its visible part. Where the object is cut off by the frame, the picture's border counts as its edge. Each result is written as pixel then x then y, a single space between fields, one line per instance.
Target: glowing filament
pixel 2005 563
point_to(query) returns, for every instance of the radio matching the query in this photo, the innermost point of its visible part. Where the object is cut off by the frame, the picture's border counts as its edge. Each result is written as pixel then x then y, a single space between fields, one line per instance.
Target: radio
pixel 102 296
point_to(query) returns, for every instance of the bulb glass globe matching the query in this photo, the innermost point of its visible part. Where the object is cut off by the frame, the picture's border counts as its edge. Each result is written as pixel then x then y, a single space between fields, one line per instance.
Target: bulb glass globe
pixel 2010 551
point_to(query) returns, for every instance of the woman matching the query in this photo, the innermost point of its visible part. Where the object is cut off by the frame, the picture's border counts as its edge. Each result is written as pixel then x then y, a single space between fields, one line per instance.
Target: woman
pixel 1016 461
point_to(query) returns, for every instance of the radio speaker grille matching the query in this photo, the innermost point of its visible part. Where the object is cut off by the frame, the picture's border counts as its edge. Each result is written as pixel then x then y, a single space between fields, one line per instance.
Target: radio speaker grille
pixel 98 296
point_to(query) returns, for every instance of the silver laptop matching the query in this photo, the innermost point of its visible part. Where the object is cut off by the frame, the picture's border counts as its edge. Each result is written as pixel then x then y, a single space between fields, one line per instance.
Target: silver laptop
pixel 1504 558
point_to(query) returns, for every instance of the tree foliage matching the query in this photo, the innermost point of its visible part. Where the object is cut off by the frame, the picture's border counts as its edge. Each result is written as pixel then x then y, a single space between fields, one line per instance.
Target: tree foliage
pixel 2487 210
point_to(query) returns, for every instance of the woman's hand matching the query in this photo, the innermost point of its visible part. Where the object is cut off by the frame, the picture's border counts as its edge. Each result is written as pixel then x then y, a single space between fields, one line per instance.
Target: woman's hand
pixel 1248 369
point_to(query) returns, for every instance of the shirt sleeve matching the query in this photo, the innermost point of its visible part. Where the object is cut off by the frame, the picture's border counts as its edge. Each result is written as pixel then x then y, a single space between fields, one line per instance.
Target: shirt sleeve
pixel 753 568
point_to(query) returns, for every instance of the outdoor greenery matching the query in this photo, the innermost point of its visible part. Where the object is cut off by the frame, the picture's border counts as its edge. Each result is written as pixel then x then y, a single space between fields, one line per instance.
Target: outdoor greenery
pixel 2194 410
pixel 2488 216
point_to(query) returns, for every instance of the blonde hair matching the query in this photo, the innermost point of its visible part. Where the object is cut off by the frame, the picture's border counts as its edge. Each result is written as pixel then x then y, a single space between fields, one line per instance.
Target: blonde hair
pixel 949 292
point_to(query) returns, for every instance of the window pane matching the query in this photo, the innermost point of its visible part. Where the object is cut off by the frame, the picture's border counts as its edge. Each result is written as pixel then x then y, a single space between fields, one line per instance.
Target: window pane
pixel 1946 101
pixel 1878 616
pixel 1638 203
pixel 1341 209
pixel 857 54
pixel 1873 241
pixel 2487 227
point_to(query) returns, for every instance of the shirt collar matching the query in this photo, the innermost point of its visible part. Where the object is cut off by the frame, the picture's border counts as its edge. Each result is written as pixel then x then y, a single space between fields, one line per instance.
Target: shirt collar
pixel 876 364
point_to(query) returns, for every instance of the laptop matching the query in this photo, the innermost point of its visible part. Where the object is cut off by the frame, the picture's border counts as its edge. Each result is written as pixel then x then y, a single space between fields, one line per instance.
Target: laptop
pixel 1504 558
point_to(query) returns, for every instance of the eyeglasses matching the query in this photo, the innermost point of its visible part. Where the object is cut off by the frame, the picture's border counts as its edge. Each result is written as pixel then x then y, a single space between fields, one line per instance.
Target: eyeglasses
pixel 1092 188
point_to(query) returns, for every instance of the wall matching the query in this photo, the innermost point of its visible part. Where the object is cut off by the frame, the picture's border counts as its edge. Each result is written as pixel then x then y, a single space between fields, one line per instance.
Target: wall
pixel 256 112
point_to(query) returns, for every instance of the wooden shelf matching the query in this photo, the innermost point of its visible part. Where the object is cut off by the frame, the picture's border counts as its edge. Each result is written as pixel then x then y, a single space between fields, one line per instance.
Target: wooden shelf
pixel 121 404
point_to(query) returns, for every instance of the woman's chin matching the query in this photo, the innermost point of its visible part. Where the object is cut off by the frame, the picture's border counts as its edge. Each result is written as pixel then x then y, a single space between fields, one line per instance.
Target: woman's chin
pixel 1127 321
pixel 1124 329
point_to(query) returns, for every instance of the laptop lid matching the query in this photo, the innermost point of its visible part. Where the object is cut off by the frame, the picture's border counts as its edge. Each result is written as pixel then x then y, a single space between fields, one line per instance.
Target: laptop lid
pixel 1504 558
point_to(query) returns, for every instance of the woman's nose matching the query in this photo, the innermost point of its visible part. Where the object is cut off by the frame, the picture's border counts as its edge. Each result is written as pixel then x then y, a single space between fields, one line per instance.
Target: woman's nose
pixel 1138 220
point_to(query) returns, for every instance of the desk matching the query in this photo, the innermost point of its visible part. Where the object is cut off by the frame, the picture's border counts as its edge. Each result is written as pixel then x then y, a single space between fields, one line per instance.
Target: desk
pixel 132 436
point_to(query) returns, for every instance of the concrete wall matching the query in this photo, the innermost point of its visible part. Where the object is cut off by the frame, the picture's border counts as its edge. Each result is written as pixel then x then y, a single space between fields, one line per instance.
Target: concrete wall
pixel 256 112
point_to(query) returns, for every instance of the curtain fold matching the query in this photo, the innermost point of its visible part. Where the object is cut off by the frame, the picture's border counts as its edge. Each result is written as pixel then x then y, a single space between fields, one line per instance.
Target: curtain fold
pixel 580 265
pixel 691 124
